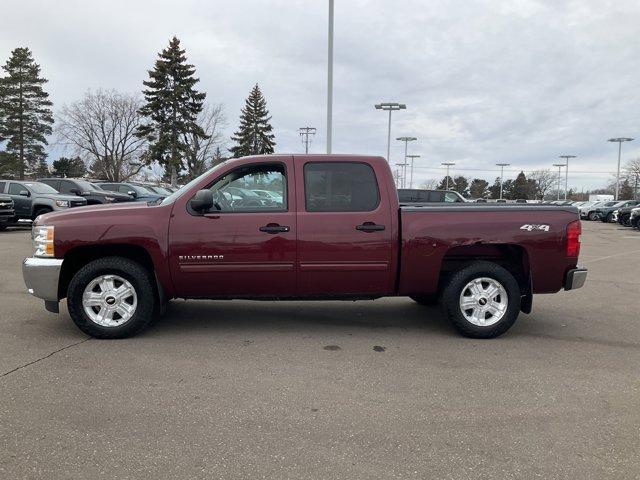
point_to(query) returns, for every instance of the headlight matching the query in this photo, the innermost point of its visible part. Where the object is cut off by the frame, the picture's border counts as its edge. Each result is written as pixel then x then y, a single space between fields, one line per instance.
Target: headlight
pixel 109 199
pixel 42 236
pixel 62 203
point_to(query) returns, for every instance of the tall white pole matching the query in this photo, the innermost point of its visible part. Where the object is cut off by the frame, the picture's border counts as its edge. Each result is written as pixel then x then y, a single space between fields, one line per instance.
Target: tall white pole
pixel 389 138
pixel 330 79
pixel 501 179
pixel 566 176
pixel 618 172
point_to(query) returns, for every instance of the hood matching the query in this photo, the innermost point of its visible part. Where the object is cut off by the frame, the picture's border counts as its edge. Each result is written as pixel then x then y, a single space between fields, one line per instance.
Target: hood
pixel 91 211
pixel 59 196
pixel 109 193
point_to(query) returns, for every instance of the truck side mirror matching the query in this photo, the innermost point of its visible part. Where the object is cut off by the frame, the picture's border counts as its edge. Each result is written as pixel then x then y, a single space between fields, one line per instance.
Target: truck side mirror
pixel 24 193
pixel 74 191
pixel 132 193
pixel 202 201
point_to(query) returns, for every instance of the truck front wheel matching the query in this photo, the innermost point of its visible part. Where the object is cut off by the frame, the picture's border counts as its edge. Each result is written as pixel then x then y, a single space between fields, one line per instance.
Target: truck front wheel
pixel 482 300
pixel 112 297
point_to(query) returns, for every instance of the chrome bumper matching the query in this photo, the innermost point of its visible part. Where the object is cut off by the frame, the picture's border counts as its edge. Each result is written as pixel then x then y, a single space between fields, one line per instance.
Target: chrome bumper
pixel 41 277
pixel 575 278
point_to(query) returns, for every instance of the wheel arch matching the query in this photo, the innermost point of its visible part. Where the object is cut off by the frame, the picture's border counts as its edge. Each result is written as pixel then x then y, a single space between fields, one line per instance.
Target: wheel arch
pixel 514 258
pixel 76 258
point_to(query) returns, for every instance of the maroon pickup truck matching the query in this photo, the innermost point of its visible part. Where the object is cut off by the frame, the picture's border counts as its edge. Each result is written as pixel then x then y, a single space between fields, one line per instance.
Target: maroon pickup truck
pixel 301 227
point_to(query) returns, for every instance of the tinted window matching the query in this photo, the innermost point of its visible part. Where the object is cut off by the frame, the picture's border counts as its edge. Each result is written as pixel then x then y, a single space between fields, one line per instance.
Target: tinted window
pixel 109 186
pixel 235 191
pixel 66 186
pixel 16 188
pixel 38 187
pixel 436 197
pixel 340 187
pixel 2 184
pixel 451 197
pixel 124 189
pixel 51 182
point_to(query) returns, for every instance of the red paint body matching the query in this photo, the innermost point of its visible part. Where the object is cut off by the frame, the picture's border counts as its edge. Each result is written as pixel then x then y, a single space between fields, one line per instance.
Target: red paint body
pixel 322 254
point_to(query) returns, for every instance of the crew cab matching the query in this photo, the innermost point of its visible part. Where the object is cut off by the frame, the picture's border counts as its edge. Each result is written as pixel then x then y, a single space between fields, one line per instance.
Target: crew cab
pixel 339 233
pixel 31 199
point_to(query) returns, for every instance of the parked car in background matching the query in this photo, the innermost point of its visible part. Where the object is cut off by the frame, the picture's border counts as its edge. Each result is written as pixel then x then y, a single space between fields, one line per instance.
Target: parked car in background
pixel 139 192
pixel 83 188
pixel 414 195
pixel 6 211
pixel 634 218
pixel 588 212
pixel 623 215
pixel 605 212
pixel 268 194
pixel 159 189
pixel 31 199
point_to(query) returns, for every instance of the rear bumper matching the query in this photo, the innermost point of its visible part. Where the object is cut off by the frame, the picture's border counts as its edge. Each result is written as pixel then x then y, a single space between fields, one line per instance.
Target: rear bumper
pixel 41 277
pixel 575 278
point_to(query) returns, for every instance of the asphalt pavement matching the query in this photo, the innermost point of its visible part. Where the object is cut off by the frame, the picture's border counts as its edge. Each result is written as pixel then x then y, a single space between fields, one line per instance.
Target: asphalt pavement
pixel 323 390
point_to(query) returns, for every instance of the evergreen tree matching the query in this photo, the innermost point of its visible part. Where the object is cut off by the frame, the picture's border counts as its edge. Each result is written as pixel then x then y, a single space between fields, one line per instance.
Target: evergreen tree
pixel 494 189
pixel 69 167
pixel 171 106
pixel 446 181
pixel 461 185
pixel 254 136
pixel 626 191
pixel 520 188
pixel 25 111
pixel 217 158
pixel 479 188
pixel 42 170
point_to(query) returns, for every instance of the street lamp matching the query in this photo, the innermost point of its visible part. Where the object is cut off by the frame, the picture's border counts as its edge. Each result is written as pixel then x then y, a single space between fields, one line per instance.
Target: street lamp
pixel 502 165
pixel 566 173
pixel 406 141
pixel 390 107
pixel 447 164
pixel 559 165
pixel 330 78
pixel 619 140
pixel 412 157
pixel 403 169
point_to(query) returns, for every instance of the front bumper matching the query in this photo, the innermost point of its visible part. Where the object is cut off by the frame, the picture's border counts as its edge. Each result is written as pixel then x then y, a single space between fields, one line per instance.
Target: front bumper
pixel 575 278
pixel 41 277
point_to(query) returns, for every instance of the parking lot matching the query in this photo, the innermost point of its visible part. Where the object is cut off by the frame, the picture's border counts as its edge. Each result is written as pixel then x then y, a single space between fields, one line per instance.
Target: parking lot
pixel 303 390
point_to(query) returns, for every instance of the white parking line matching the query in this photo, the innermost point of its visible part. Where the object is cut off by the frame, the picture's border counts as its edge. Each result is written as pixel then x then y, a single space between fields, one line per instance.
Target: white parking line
pixel 611 256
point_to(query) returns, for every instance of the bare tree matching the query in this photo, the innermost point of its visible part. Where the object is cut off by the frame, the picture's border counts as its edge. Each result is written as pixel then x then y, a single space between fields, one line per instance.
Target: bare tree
pixel 429 184
pixel 200 151
pixel 545 181
pixel 101 129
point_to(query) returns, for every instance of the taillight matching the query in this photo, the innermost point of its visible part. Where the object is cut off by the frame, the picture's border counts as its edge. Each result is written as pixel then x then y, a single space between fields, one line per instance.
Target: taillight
pixel 574 229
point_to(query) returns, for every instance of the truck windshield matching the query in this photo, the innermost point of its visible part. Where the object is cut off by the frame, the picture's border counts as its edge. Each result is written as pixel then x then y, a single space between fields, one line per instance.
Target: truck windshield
pixel 178 193
pixel 38 187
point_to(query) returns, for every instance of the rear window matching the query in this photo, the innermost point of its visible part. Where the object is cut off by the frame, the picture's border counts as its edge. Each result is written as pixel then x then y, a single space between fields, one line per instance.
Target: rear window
pixel 340 187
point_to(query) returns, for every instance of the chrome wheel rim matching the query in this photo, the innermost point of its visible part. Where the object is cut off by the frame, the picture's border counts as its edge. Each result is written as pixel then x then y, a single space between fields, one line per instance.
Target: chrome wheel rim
pixel 483 301
pixel 109 300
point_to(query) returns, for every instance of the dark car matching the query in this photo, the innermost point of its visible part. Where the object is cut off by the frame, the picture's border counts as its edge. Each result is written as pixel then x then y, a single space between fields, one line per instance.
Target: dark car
pixel 139 192
pixel 90 191
pixel 31 199
pixel 624 215
pixel 6 211
pixel 605 212
pixel 414 195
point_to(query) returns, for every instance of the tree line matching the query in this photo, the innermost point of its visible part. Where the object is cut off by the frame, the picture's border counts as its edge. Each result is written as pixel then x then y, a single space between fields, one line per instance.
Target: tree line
pixel 115 135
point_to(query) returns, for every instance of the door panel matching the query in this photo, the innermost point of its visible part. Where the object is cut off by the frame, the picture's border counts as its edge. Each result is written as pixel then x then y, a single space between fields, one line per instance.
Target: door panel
pixel 342 252
pixel 22 204
pixel 247 249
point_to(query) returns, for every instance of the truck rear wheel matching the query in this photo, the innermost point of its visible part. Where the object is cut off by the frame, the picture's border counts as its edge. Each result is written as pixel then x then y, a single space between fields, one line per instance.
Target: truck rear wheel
pixel 112 297
pixel 482 300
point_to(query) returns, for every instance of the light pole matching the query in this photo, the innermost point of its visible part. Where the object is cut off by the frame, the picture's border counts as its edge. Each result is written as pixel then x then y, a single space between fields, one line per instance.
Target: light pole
pixel 447 164
pixel 559 165
pixel 403 169
pixel 330 78
pixel 406 141
pixel 566 173
pixel 412 157
pixel 390 107
pixel 305 132
pixel 619 140
pixel 502 165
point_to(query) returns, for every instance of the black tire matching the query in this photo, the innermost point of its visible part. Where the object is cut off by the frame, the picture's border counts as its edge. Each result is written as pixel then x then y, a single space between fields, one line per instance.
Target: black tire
pixel 427 300
pixel 3 227
pixel 593 216
pixel 608 218
pixel 626 220
pixel 140 278
pixel 455 287
pixel 41 211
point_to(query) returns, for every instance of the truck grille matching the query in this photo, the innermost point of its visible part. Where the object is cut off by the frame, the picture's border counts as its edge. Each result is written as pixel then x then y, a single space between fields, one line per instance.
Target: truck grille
pixel 5 205
pixel 77 203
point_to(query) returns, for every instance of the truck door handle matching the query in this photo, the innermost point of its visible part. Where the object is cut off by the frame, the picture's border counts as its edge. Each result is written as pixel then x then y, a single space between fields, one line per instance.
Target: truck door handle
pixel 273 228
pixel 370 227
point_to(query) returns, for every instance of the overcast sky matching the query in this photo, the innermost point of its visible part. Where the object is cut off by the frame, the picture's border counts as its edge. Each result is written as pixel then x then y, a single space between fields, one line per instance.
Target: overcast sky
pixel 515 81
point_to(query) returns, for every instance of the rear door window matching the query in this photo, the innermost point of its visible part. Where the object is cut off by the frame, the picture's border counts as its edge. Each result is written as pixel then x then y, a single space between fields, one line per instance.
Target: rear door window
pixel 16 188
pixel 340 187
pixel 2 185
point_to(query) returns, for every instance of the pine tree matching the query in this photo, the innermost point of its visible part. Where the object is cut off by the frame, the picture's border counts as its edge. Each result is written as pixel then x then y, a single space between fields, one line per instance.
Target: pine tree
pixel 479 188
pixel 520 189
pixel 494 189
pixel 217 157
pixel 42 170
pixel 446 183
pixel 25 111
pixel 69 167
pixel 172 107
pixel 254 136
